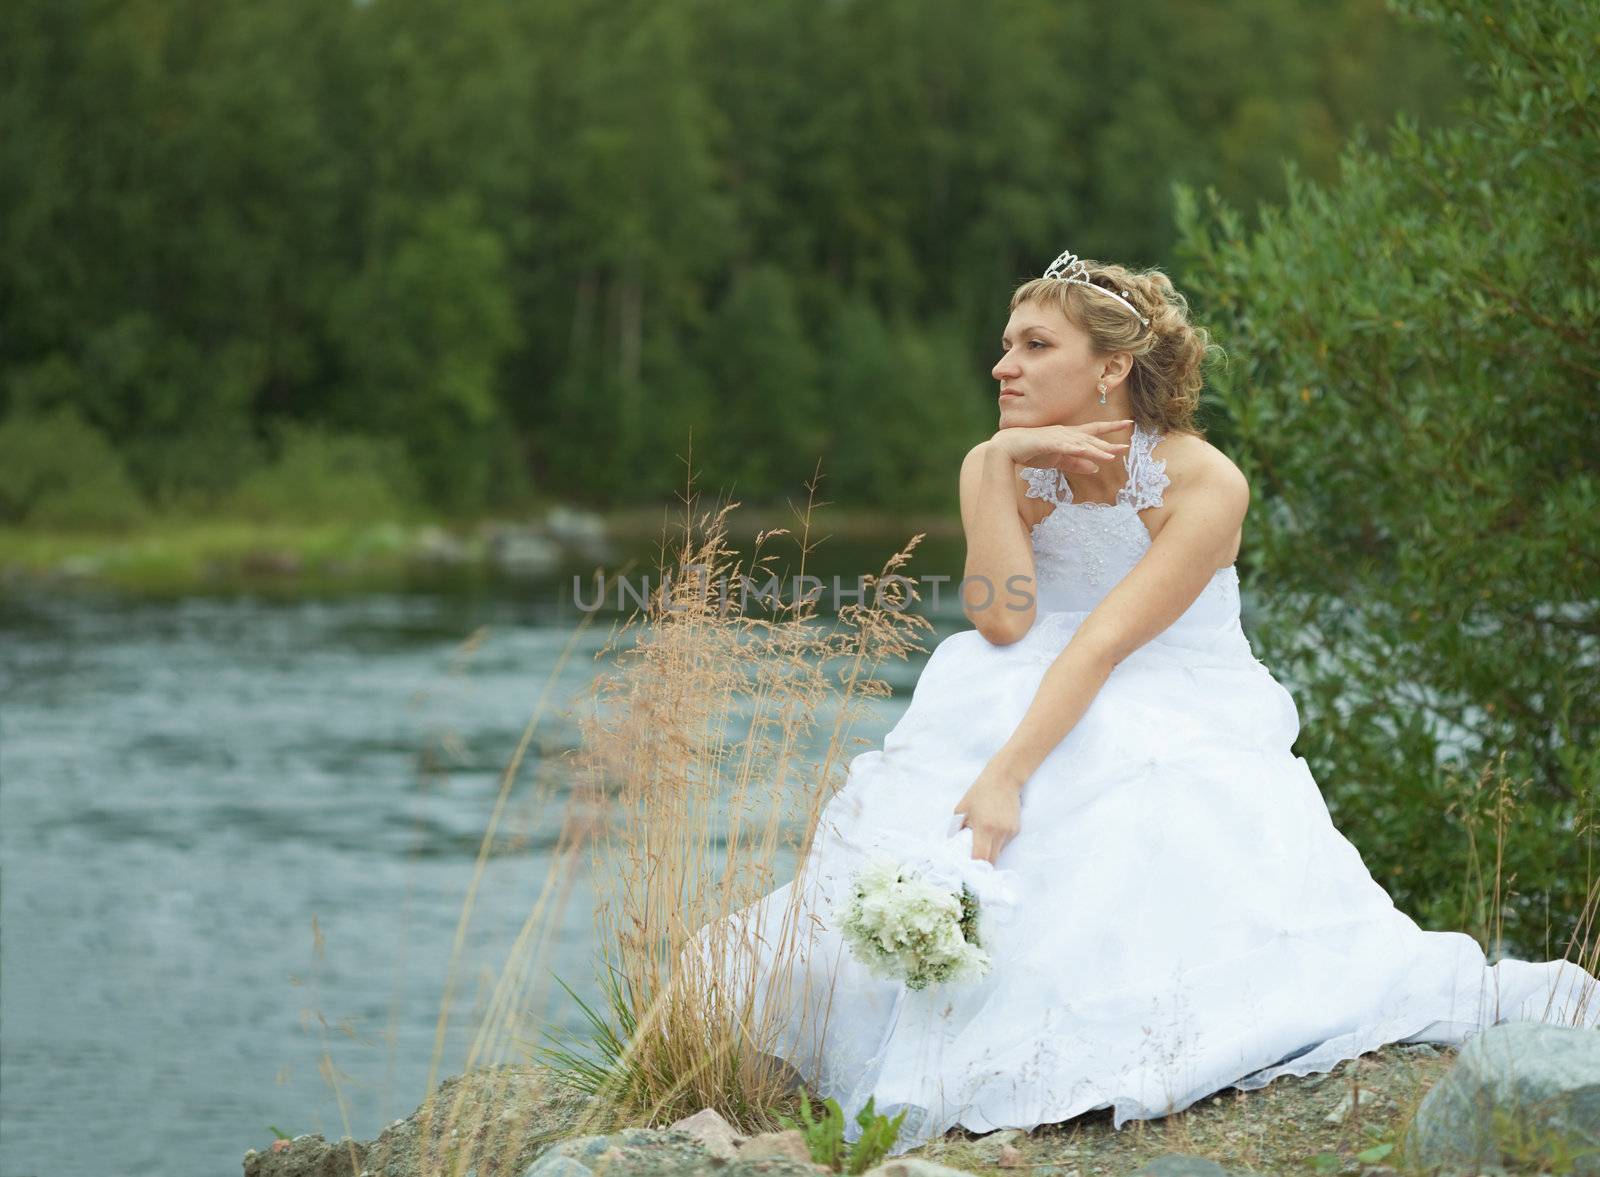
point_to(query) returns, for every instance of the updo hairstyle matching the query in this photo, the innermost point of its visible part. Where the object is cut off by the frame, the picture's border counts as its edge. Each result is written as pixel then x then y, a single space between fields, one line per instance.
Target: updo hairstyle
pixel 1165 380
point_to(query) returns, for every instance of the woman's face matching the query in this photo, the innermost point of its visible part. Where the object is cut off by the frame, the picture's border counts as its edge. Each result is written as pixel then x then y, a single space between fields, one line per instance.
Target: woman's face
pixel 1047 374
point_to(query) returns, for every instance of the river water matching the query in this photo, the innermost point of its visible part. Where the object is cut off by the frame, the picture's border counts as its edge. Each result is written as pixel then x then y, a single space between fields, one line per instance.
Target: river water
pixel 236 835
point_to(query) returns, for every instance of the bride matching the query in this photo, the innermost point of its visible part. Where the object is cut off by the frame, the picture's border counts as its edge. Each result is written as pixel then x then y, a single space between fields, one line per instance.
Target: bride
pixel 1186 916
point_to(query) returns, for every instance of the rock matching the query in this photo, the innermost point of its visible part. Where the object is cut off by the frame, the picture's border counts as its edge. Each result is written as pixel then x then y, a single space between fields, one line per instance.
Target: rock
pixel 913 1167
pixel 1425 1049
pixel 435 545
pixel 522 551
pixel 584 1149
pixel 1010 1157
pixel 1346 1104
pixel 988 1148
pixel 1521 1094
pixel 507 1116
pixel 789 1143
pixel 713 1131
pixel 759 1167
pixel 677 1151
pixel 1177 1164
pixel 308 1156
pixel 635 1152
pixel 557 1165
pixel 576 528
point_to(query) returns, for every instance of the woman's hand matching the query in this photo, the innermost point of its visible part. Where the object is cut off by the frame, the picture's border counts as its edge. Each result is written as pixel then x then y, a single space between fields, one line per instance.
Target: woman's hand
pixel 1066 447
pixel 992 808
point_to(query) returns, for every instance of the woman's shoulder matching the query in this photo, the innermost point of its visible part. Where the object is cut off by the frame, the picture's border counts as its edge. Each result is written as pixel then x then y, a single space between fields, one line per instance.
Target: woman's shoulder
pixel 1189 459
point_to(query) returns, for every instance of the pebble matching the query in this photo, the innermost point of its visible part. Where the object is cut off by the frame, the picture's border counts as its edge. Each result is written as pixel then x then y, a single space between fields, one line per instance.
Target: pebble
pixel 1345 1105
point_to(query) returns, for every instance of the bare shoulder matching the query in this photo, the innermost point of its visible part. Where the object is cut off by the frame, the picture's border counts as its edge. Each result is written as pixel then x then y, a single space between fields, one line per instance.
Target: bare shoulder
pixel 971 472
pixel 1193 463
pixel 971 476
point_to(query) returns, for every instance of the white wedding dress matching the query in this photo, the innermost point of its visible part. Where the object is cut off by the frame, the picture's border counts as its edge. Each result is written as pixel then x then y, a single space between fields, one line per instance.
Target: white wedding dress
pixel 1189 918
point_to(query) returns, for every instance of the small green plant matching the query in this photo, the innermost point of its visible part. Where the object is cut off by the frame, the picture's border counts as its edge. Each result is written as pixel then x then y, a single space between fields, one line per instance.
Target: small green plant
pixel 825 1136
pixel 610 1071
pixel 278 1132
pixel 1371 1156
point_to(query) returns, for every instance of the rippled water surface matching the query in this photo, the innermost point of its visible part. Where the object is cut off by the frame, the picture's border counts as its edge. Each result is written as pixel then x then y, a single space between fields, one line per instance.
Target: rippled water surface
pixel 238 833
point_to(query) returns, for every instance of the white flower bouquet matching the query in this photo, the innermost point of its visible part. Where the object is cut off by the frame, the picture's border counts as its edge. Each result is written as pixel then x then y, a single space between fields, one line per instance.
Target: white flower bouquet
pixel 905 928
pixel 914 916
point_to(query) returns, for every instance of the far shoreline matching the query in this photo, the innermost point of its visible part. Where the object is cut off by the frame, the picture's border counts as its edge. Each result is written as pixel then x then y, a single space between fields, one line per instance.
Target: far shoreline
pixel 180 555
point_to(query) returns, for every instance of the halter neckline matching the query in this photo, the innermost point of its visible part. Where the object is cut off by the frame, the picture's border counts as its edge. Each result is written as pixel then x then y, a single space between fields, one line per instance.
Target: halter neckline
pixel 1146 478
pixel 1127 470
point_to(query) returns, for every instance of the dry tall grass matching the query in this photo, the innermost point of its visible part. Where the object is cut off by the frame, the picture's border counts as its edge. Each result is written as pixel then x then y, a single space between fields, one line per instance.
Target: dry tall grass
pixel 716 738
pixel 1485 891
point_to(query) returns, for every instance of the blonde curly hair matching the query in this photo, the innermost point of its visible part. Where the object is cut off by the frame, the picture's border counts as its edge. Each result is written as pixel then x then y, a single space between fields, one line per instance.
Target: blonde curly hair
pixel 1165 380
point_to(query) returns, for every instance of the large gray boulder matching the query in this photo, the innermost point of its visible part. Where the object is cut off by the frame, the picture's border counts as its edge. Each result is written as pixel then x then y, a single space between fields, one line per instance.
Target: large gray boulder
pixel 681 1152
pixel 1521 1094
pixel 643 1152
pixel 499 1117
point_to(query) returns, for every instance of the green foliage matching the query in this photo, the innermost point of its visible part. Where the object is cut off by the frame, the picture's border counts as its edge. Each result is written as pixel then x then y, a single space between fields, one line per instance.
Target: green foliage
pixel 902 412
pixel 423 328
pixel 1413 402
pixel 969 916
pixel 767 421
pixel 58 471
pixel 825 1135
pixel 1371 1156
pixel 319 476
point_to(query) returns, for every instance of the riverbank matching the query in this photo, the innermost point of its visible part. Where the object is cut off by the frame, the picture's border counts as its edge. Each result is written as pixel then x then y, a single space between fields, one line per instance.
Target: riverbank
pixel 177 556
pixel 1348 1121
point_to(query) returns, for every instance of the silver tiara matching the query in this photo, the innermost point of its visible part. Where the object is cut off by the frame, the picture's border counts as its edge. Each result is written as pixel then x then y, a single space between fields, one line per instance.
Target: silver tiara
pixel 1070 268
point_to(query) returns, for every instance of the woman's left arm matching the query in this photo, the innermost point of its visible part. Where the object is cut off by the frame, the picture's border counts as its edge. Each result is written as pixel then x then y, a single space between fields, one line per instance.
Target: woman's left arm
pixel 1206 512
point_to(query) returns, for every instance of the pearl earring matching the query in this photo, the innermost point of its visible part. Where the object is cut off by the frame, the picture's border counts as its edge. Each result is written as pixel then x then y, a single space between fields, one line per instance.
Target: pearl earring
pixel 1102 393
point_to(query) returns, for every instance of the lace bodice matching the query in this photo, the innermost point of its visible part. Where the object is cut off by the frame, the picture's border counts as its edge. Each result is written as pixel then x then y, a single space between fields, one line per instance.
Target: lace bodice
pixel 1147 477
pixel 1081 550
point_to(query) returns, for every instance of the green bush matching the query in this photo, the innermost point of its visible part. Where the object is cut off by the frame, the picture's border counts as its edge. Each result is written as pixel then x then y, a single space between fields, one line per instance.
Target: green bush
pixel 1413 403
pixel 319 475
pixel 57 470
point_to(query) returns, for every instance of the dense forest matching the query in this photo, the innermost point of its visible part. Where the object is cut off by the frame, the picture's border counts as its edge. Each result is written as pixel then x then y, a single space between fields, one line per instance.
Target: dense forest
pixel 312 258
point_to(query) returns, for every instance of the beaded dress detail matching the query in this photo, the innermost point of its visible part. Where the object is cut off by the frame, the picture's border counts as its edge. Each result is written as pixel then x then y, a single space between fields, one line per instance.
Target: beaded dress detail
pixel 1189 918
